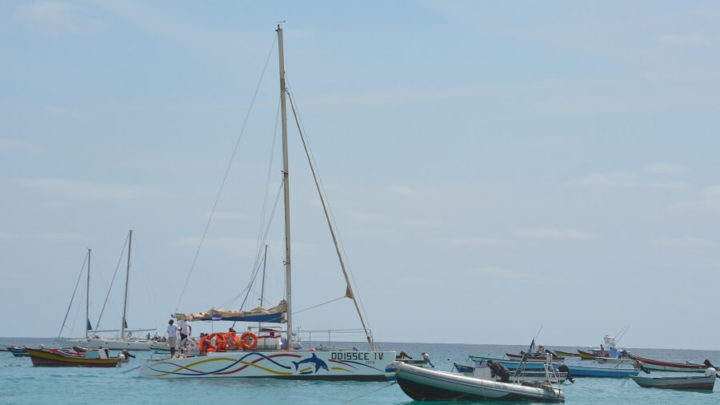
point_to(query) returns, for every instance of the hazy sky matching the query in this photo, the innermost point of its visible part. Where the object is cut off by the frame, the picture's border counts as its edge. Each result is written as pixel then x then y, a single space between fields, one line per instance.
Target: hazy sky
pixel 493 167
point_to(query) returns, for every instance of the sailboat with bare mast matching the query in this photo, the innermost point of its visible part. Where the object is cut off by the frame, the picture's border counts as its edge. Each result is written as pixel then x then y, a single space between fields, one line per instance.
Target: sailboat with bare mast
pixel 266 356
pixel 124 340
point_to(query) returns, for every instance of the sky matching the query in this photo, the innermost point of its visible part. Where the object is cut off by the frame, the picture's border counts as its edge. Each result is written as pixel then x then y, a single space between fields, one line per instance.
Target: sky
pixel 494 169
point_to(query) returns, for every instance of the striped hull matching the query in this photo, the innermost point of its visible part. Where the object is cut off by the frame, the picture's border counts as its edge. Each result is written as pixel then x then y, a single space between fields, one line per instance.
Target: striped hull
pixel 299 365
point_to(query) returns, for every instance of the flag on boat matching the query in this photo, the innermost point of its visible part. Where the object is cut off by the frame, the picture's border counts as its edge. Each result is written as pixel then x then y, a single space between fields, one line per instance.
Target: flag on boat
pixel 124 323
pixel 531 348
pixel 216 317
pixel 89 325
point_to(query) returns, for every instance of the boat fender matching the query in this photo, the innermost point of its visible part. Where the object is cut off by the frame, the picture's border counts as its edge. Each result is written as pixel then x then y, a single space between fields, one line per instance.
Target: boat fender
pixel 249 340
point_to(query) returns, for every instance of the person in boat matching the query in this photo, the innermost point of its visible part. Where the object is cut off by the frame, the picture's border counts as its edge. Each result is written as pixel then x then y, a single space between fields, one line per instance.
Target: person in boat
pixel 172 331
pixel 499 369
pixel 127 354
pixel 403 355
pixel 232 340
pixel 565 369
pixel 185 330
pixel 710 370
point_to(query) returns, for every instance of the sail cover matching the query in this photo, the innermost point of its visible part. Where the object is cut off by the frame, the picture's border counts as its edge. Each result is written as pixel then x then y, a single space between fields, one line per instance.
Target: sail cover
pixel 275 314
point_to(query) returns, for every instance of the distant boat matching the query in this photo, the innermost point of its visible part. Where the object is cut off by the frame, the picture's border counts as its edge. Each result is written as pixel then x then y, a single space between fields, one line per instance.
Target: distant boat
pixel 532 356
pixel 422 384
pixel 17 351
pixel 124 341
pixel 659 365
pixel 703 383
pixel 43 357
pixel 575 371
pixel 566 354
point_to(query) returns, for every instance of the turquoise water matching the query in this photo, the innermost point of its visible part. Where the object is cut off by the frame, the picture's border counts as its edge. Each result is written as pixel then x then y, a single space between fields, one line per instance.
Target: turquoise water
pixel 21 383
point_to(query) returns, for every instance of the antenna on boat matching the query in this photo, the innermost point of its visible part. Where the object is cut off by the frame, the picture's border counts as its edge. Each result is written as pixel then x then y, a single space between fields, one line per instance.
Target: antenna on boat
pixel 127 279
pixel 87 296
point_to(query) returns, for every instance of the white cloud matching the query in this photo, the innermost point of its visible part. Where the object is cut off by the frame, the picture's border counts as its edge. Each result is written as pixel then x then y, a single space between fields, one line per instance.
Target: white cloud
pixel 475 242
pixel 667 184
pixel 14 145
pixel 86 190
pixel 55 17
pixel 686 242
pixel 665 168
pixel 500 273
pixel 605 180
pixel 712 192
pixel 558 234
pixel 686 40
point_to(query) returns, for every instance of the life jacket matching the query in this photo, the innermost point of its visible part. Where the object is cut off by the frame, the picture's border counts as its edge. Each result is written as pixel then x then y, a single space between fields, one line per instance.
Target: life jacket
pixel 220 342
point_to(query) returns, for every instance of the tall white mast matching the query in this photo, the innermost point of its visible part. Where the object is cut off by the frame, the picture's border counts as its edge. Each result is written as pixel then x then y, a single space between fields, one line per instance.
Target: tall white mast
pixel 87 297
pixel 286 188
pixel 127 279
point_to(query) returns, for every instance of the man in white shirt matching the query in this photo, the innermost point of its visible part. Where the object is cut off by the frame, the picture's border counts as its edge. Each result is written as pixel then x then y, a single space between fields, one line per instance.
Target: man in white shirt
pixel 710 370
pixel 172 337
pixel 185 330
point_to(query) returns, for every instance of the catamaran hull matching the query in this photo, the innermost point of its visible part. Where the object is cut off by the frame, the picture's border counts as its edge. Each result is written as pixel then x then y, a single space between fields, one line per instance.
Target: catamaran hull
pixel 422 384
pixel 333 365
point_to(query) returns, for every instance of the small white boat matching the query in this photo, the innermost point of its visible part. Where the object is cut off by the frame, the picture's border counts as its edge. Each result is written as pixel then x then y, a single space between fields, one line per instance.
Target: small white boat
pixel 422 384
pixel 701 383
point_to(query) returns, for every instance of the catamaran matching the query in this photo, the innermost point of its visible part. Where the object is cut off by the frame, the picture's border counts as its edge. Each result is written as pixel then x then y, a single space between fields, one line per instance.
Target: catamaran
pixel 269 354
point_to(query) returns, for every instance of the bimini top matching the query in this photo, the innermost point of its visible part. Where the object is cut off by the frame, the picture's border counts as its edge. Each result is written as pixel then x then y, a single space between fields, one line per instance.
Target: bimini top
pixel 276 314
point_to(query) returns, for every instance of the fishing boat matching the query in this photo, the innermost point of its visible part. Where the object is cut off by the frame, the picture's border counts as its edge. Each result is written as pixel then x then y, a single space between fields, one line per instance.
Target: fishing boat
pixel 125 340
pixel 659 365
pixel 17 351
pixel 532 356
pixel 422 384
pixel 566 354
pixel 43 357
pixel 700 383
pixel 263 356
pixel 603 372
pixel 575 370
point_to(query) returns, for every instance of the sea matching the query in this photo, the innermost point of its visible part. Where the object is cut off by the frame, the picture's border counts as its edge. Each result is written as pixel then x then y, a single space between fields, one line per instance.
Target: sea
pixel 21 383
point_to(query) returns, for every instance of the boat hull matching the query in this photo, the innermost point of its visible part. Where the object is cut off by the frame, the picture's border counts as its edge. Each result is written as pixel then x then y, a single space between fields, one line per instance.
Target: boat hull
pixel 701 383
pixel 659 365
pixel 333 365
pixel 46 358
pixel 429 385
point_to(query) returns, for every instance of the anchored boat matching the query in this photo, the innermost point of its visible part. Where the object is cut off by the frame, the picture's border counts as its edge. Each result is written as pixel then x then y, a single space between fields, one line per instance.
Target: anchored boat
pixel 422 384
pixel 272 356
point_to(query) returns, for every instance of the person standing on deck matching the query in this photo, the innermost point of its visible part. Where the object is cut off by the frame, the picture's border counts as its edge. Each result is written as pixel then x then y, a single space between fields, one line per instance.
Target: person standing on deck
pixel 185 330
pixel 172 337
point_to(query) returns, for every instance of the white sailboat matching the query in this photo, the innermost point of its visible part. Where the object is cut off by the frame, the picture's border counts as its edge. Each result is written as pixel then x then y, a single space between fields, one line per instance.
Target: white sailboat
pixel 125 340
pixel 269 356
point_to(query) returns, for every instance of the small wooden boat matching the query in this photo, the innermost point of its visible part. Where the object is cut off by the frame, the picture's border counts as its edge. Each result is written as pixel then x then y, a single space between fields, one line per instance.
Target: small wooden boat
pixel 17 351
pixel 66 358
pixel 566 354
pixel 422 384
pixel 532 356
pixel 704 383
pixel 602 372
pixel 659 365
pixel 586 355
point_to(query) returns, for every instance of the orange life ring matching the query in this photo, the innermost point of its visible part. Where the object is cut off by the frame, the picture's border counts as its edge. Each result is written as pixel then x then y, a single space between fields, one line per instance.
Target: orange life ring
pixel 219 341
pixel 249 340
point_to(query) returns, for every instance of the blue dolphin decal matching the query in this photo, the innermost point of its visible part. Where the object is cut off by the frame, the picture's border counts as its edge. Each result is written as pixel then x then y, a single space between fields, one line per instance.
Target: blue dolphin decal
pixel 314 359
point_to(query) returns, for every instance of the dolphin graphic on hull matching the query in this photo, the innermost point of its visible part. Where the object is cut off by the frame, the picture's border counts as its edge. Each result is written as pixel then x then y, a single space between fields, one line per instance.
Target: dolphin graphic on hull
pixel 313 360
